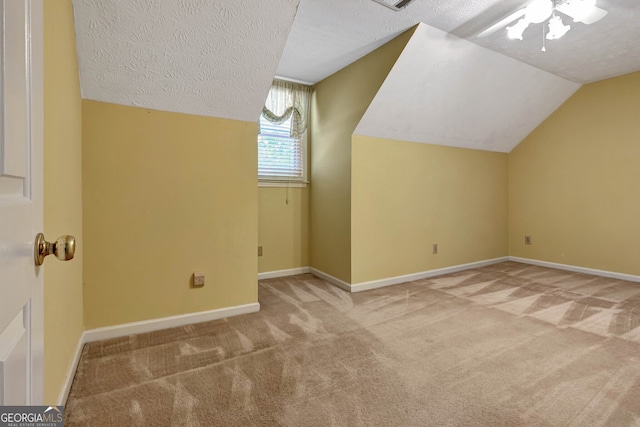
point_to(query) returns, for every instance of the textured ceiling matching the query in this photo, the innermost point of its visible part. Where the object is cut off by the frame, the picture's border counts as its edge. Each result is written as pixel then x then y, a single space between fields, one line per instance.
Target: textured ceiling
pixel 327 35
pixel 447 91
pixel 206 57
pixel 218 58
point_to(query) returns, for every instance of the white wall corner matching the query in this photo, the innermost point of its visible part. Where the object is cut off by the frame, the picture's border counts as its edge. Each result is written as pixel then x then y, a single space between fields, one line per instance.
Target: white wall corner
pixel 71 373
pixel 333 280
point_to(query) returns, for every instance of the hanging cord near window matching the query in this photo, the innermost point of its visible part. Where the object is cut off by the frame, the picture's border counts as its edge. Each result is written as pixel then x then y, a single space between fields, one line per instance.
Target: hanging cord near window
pixel 287 200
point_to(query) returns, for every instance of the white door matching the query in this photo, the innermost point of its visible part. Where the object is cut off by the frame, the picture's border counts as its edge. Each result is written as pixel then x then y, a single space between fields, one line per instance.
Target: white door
pixel 21 165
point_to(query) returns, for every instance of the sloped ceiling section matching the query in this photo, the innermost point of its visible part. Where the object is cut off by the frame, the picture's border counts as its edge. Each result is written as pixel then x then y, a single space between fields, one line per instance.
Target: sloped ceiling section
pixel 205 57
pixel 444 90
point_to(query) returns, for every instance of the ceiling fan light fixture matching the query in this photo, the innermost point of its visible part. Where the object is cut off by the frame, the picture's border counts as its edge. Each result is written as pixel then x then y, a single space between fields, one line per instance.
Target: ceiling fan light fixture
pixel 539 11
pixel 557 28
pixel 515 31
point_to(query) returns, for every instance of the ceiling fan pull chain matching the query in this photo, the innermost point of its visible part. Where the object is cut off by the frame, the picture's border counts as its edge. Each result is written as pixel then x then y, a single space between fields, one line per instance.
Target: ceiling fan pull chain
pixel 544 40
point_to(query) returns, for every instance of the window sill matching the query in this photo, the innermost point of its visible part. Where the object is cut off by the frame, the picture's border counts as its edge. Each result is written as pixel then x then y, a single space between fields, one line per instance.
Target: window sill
pixel 293 184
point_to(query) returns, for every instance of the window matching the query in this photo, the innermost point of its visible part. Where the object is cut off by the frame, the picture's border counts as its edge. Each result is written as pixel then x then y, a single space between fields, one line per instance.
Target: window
pixel 281 157
pixel 282 136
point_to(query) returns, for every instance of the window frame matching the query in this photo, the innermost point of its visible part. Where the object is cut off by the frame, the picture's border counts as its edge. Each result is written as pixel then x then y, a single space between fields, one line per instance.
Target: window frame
pixel 272 181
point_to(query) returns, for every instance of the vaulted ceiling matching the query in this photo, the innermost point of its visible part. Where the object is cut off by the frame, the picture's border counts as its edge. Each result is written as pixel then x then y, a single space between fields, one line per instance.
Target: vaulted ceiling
pixel 212 58
pixel 445 90
pixel 218 58
pixel 329 34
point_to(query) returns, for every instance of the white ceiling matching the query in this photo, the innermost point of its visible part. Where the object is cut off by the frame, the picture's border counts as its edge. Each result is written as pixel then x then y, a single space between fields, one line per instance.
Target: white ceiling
pixel 205 57
pixel 218 58
pixel 447 91
pixel 327 35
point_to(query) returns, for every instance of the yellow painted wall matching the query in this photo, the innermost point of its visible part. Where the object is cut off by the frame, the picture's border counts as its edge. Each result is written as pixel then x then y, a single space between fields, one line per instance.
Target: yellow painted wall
pixel 407 196
pixel 574 183
pixel 338 104
pixel 283 228
pixel 62 194
pixel 166 194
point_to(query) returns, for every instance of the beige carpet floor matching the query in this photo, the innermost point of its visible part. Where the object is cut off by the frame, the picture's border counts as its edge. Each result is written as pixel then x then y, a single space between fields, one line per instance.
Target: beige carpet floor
pixel 504 345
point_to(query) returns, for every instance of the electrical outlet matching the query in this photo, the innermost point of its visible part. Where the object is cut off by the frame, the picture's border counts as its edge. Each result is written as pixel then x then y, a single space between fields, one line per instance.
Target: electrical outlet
pixel 259 250
pixel 198 280
pixel 435 248
pixel 527 240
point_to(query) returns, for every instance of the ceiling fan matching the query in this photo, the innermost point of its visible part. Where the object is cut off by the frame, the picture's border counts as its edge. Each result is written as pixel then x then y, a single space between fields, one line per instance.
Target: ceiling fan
pixel 539 11
pixel 396 5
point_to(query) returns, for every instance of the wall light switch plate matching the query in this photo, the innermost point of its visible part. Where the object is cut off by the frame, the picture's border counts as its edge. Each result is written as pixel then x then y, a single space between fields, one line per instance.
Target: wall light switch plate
pixel 198 280
pixel 527 240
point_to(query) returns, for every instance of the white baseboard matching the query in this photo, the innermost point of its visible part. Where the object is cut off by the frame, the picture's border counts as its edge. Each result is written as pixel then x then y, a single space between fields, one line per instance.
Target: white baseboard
pixel 71 372
pixel 126 329
pixel 203 316
pixel 151 325
pixel 374 284
pixel 333 280
pixel 283 273
pixel 576 269
pixel 304 270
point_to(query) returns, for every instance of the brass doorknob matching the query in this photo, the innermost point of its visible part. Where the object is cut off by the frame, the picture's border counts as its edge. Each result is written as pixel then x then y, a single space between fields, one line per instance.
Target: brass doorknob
pixel 64 248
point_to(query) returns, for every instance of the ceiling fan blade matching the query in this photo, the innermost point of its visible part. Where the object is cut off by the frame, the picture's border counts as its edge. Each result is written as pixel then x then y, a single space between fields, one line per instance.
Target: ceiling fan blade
pixel 502 23
pixel 594 15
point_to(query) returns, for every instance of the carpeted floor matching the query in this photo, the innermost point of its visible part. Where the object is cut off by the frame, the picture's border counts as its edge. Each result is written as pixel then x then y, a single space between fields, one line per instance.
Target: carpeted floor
pixel 504 345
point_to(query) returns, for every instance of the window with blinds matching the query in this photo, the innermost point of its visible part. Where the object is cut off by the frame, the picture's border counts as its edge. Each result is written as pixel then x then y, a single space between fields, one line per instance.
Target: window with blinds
pixel 280 156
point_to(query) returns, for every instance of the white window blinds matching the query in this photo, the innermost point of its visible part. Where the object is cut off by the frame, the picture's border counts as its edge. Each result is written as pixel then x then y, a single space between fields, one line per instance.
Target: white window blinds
pixel 282 139
pixel 280 155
